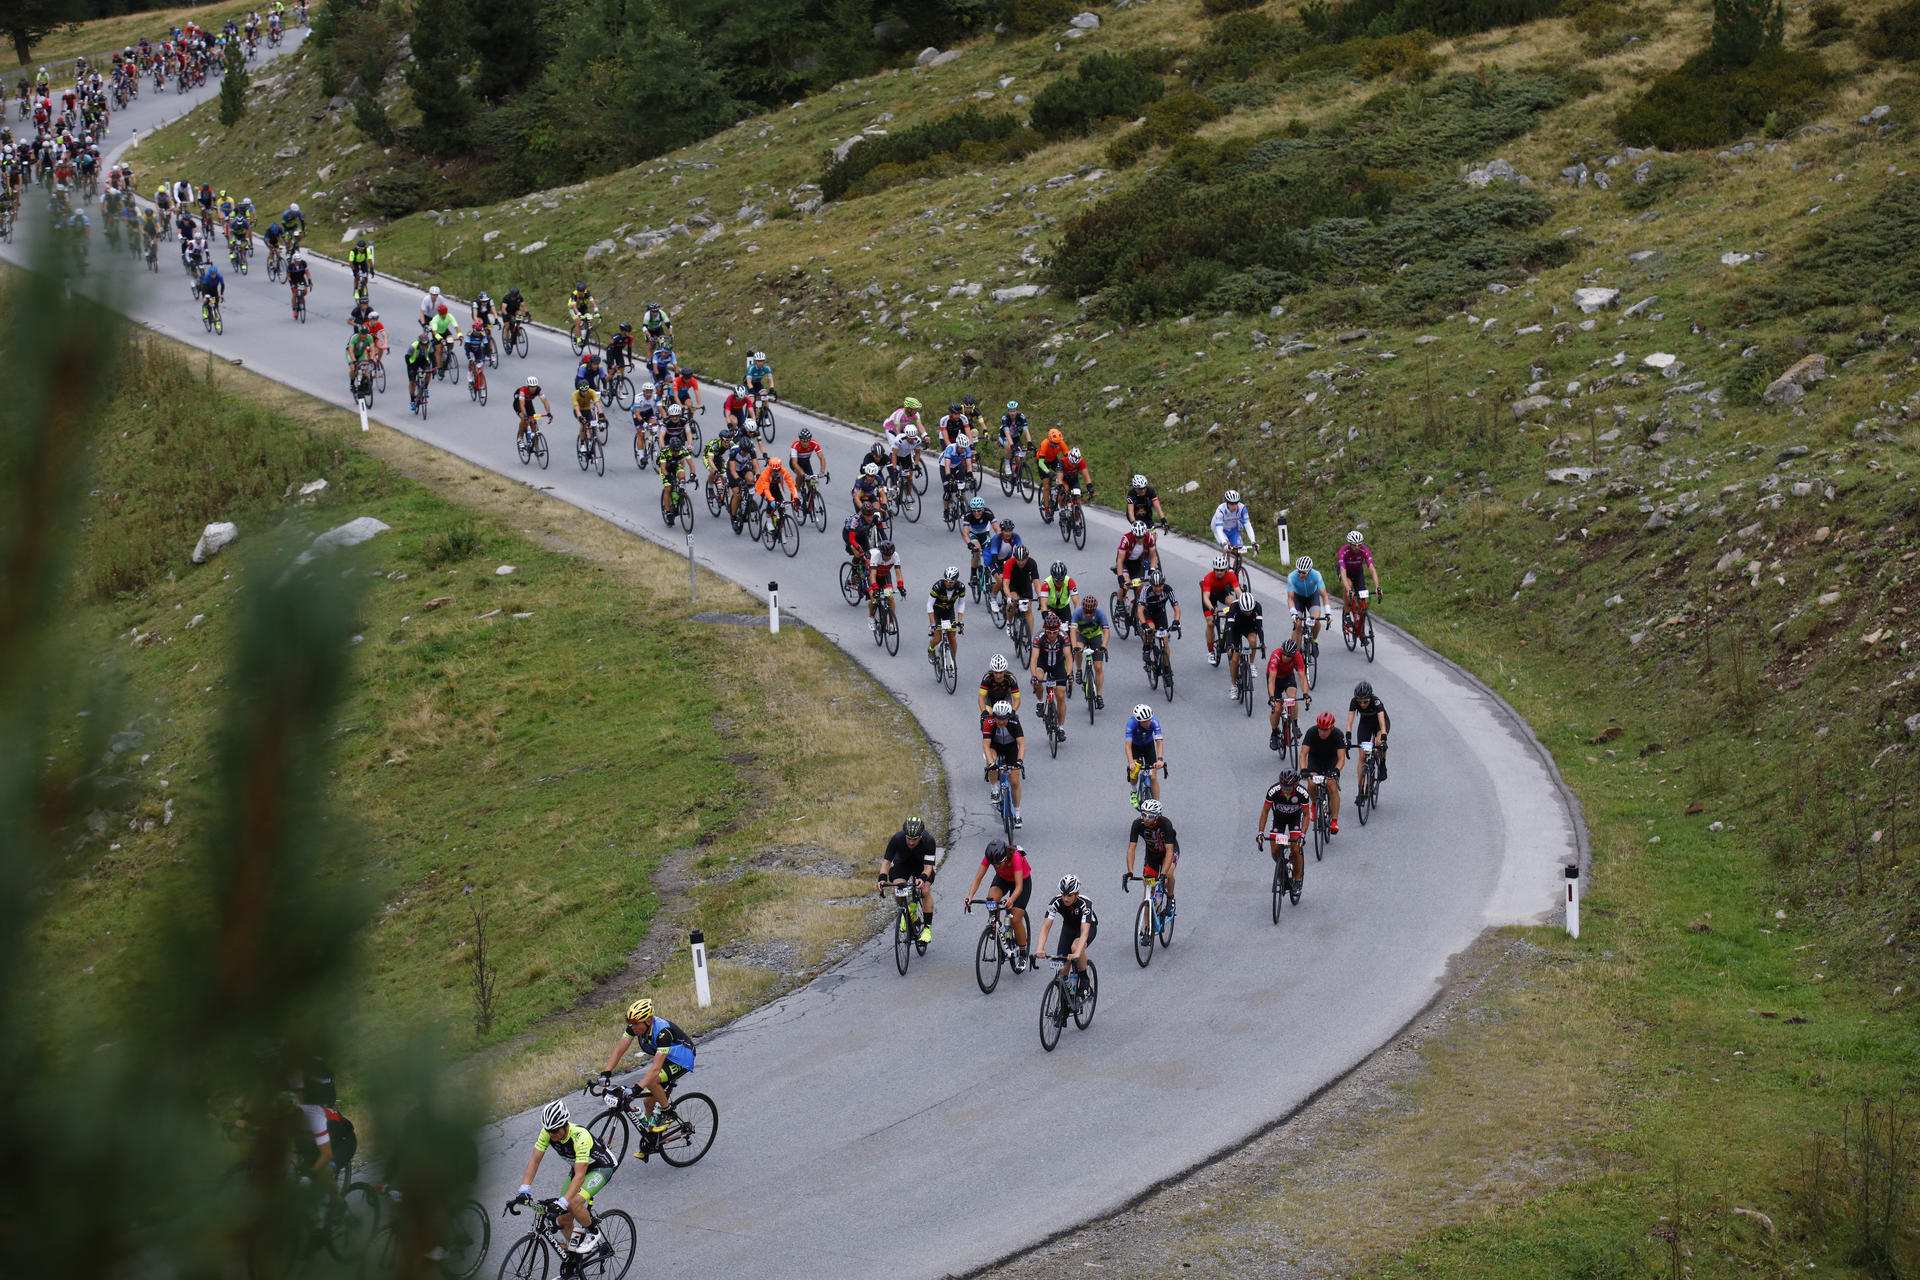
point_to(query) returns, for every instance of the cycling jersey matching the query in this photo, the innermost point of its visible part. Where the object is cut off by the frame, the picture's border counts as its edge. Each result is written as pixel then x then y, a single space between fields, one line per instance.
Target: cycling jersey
pixel 1245 622
pixel 1219 585
pixel 1050 654
pixel 775 473
pixel 1080 913
pixel 1283 670
pixel 1021 576
pixel 906 859
pixel 1090 625
pixel 736 406
pixel 1142 500
pixel 757 373
pixel 1157 839
pixel 1353 561
pixel 1142 733
pixel 660 1034
pixel 578 1147
pixel 899 420
pixel 1136 550
pixel 1321 750
pixel 1058 595
pixel 656 321
pixel 1000 686
pixel 1289 805
pixel 945 597
pixel 1306 586
pixel 1232 523
pixel 1158 608
pixel 1005 737
pixel 1373 719
pixel 582 303
pixel 1013 426
pixel 978 524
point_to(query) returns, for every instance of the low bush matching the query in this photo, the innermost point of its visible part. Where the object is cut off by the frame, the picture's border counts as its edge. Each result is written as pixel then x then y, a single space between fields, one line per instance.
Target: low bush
pixel 875 163
pixel 1868 256
pixel 1334 22
pixel 1370 57
pixel 1173 117
pixel 1037 15
pixel 1241 43
pixel 1706 103
pixel 1105 86
pixel 403 190
pixel 1667 176
pixel 1895 33
pixel 1829 23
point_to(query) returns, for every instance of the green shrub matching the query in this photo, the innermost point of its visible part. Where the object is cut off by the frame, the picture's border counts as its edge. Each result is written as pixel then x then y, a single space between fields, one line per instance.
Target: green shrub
pixel 1751 376
pixel 404 190
pixel 450 546
pixel 1241 43
pixel 1243 95
pixel 1173 117
pixel 1336 22
pixel 1706 103
pixel 1038 15
pixel 1895 33
pixel 1663 180
pixel 1869 256
pixel 1104 86
pixel 1830 23
pixel 1459 118
pixel 1370 57
pixel 1744 29
pixel 876 163
pixel 1229 6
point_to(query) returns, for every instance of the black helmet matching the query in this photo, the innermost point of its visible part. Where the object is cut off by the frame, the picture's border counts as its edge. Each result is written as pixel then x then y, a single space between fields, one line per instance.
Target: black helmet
pixel 1058 569
pixel 363 244
pixel 1288 778
pixel 580 286
pixel 996 851
pixel 953 408
pixel 912 828
pixel 626 326
pixel 1363 690
pixel 886 548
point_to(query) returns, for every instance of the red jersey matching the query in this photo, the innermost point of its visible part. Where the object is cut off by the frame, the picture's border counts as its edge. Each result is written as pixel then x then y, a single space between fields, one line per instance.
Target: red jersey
pixel 735 404
pixel 1132 548
pixel 804 448
pixel 1220 582
pixel 1278 664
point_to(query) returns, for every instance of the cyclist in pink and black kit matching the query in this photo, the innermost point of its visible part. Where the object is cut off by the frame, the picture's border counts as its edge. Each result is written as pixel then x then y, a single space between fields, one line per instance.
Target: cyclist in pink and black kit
pixel 1354 558
pixel 1013 882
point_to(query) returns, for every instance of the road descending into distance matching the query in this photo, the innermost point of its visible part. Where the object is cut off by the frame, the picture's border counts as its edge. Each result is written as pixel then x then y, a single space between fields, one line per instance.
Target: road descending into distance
pixel 875 1125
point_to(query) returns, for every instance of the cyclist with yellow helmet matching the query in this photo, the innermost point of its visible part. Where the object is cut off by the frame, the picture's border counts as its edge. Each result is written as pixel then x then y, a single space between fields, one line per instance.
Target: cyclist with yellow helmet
pixel 669 1049
pixel 903 420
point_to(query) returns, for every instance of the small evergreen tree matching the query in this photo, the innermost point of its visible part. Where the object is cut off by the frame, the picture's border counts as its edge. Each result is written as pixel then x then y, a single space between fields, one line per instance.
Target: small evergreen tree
pixel 1744 29
pixel 233 87
pixel 441 55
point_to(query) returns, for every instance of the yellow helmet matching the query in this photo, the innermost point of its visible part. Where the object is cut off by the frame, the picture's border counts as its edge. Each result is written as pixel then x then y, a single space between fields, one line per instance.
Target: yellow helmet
pixel 640 1010
pixel 912 403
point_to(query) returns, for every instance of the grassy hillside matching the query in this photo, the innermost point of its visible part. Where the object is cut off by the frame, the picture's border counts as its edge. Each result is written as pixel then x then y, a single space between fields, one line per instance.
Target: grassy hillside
pixel 536 731
pixel 1695 582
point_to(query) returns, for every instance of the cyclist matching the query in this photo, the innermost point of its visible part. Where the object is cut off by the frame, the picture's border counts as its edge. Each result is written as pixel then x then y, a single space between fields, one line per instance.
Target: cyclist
pixel 869 495
pixel 1158 610
pixel 333 1135
pixel 1283 814
pixel 759 373
pixel 1155 830
pixel 430 304
pixel 737 408
pixel 377 330
pixel 658 326
pixel 524 407
pixel 581 308
pixel 359 353
pixel 807 457
pixel 909 859
pixel 239 235
pixel 212 286
pixel 1047 460
pixel 1015 434
pixel 1309 591
pixel 686 389
pixel 590 372
pixel 444 329
pixel 646 410
pixel 1143 502
pixel 955 424
pixel 947 602
pixel 670 1054
pixel 1233 524
pixel 586 408
pixel 976 526
pixel 1003 741
pixel 419 369
pixel 885 573
pixel 514 309
pixel 1050 663
pixel 999 549
pixel 1139 551
pixel 1143 745
pixel 998 685
pixel 1058 589
pixel 1218 587
pixel 741 461
pixel 1078 926
pixel 476 346
pixel 1323 753
pixel 906 417
pixel 660 367
pixel 1353 565
pixel 591 1163
pixel 1374 723
pixel 620 350
pixel 1090 644
pixel 774 485
pixel 1244 622
pixel 483 312
pixel 1286 669
pixel 293 222
pixel 1019 580
pixel 1074 475
pixel 360 258
pixel 675 458
pixel 956 465
pixel 856 535
pixel 1013 884
pixel 904 447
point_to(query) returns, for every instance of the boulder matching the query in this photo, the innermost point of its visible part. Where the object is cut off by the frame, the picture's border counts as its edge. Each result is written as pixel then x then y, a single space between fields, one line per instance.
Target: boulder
pixel 1731 259
pixel 1876 115
pixel 1017 292
pixel 1527 406
pixel 951 55
pixel 1640 307
pixel 1591 300
pixel 1807 370
pixel 927 55
pixel 1085 21
pixel 1659 360
pixel 1642 171
pixel 1782 390
pixel 535 247
pixel 1569 475
pixel 350 534
pixel 214 537
pixel 599 248
pixel 313 488
pixel 1496 171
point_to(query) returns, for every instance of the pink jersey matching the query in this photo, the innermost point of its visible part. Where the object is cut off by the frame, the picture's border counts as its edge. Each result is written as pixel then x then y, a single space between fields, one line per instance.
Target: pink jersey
pixel 1019 865
pixel 1352 559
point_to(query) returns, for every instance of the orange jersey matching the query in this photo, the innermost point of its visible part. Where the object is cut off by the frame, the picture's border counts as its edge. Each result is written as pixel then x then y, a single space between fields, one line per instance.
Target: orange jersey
pixel 775 469
pixel 1051 450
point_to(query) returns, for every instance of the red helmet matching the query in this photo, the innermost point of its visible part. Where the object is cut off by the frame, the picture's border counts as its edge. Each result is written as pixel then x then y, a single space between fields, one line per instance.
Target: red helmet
pixel 442 308
pixel 1326 720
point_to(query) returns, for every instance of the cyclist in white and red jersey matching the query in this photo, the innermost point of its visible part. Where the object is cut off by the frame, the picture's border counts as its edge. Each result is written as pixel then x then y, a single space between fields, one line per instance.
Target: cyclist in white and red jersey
pixel 1216 589
pixel 807 454
pixel 1354 558
pixel 1138 552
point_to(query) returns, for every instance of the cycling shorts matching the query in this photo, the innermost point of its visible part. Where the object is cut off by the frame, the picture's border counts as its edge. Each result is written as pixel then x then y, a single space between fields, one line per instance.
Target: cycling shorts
pixel 1306 605
pixel 1148 755
pixel 913 867
pixel 597 1176
pixel 1005 887
pixel 1156 860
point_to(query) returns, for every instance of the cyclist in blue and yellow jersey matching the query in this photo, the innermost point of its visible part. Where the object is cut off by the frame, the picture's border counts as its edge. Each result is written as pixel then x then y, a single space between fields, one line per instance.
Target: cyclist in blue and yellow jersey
pixel 669 1054
pixel 1090 625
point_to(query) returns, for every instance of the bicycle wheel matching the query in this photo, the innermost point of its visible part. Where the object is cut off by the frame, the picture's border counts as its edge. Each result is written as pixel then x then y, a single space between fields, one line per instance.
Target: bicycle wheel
pixel 695 1122
pixel 996 608
pixel 1166 674
pixel 1053 1015
pixel 1153 671
pixel 892 629
pixel 903 936
pixel 790 534
pixel 909 504
pixel 849 582
pixel 919 474
pixel 987 959
pixel 949 670
pixel 600 428
pixel 685 506
pixel 468 1234
pixel 817 510
pixel 1053 737
pixel 1007 481
pixel 1166 929
pixel 584 456
pixel 756 519
pixel 527 1260
pixel 1366 636
pixel 1024 482
pixel 1363 791
pixel 540 448
pixel 597 449
pixel 1347 631
pixel 1313 663
pixel 622 389
pixel 766 424
pixel 1006 808
pixel 1086 686
pixel 615 1254
pixel 1079 529
pixel 359 1218
pixel 380 377
pixel 1320 825
pixel 480 390
pixel 1246 682
pixel 520 342
pixel 612 1130
pixel 1022 640
pixel 642 450
pixel 1122 626
pixel 1143 932
pixel 1083 1017
pixel 714 502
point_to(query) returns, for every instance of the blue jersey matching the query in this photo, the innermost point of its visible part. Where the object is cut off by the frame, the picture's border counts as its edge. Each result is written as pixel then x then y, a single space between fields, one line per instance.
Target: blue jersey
pixel 956 454
pixel 1229 523
pixel 1306 586
pixel 212 280
pixel 476 344
pixel 1001 545
pixel 1090 623
pixel 758 372
pixel 1140 733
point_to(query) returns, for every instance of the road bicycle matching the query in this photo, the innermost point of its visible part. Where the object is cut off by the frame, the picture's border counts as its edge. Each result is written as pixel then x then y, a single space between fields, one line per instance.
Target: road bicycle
pixel 532 1254
pixel 513 336
pixel 585 335
pixel 1049 718
pixel 1284 887
pixel 1020 632
pixel 457 1257
pixel 476 381
pixel 1142 781
pixel 854 583
pixel 946 670
pixel 997 947
pixel 1288 744
pixel 619 389
pixel 907 923
pixel 692 1122
pixel 417 395
pixel 982 585
pixel 716 490
pixel 953 505
pixel 1154 920
pixel 1088 679
pixel 1000 791
pixel 916 474
pixel 300 304
pixel 1066 997
pixel 781 528
pixel 886 626
pixel 1356 622
pixel 1016 474
pixel 906 501
pixel 276 265
pixel 593 454
pixel 1236 553
pixel 1159 660
pixel 813 503
pixel 750 514
pixel 1366 789
pixel 210 315
pixel 360 382
pixel 1121 602
pixel 531 442
pixel 1321 816
pixel 678 506
pixel 763 415
pixel 1244 655
pixel 1073 521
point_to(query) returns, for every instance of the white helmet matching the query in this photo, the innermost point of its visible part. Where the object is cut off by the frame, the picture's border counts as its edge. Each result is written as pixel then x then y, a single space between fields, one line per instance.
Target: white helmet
pixel 1139 481
pixel 675 410
pixel 1069 883
pixel 1233 496
pixel 1354 538
pixel 1139 529
pixel 1143 712
pixel 1151 808
pixel 1244 600
pixel 434 292
pixel 871 469
pixel 998 664
pixel 294 207
pixel 1003 709
pixel 1219 564
pixel 533 383
pixel 740 389
pixel 759 355
pixel 1304 564
pixel 555 1116
pixel 952 574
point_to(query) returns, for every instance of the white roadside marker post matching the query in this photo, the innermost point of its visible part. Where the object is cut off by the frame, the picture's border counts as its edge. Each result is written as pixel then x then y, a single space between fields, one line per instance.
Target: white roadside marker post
pixel 702 993
pixel 693 589
pixel 1573 899
pixel 1280 536
pixel 773 608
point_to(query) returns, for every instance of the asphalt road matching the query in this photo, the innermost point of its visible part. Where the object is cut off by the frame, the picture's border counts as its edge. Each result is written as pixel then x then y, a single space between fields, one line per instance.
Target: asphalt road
pixel 874 1125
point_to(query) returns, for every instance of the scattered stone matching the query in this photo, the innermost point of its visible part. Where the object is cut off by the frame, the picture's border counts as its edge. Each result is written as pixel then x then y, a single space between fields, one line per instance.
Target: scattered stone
pixel 436 603
pixel 1425 338
pixel 1639 308
pixel 1569 475
pixel 1659 360
pixel 287 153
pixel 1591 300
pixel 214 537
pixel 1607 734
pixel 1086 21
pixel 1782 391
pixel 1575 174
pixel 1658 520
pixel 196 620
pixel 503 571
pixel 1497 171
pixel 1527 406
pixel 1497 287
pixel 1172 421
pixel 1913 724
pixel 535 247
pixel 599 248
pixel 1642 171
pixel 951 55
pixel 350 534
pixel 1731 259
pixel 1642 255
pixel 1017 292
pixel 1792 451
pixel 1356 335
pixel 313 488
pixel 1190 486
pixel 927 55
pixel 1876 115
pixel 1716 826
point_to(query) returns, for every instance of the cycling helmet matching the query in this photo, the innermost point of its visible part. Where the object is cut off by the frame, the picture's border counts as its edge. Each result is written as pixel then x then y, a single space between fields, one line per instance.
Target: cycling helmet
pixel 1053 621
pixel 953 408
pixel 1003 709
pixel 1304 564
pixel 1013 406
pixel 373 315
pixel 910 403
pixel 1058 569
pixel 579 286
pixel 676 410
pixel 481 297
pixel 1139 481
pixel 1354 539
pixel 1138 529
pixel 1073 455
pixel 1020 552
pixel 1150 808
pixel 626 326
pixel 1090 601
pixel 870 470
pixel 1363 690
pixel 434 292
pixel 1289 778
pixel 441 309
pixel 886 548
pixel 1155 578
pixel 653 306
pixel 533 383
pixel 740 389
pixel 966 400
pixel 1325 720
pixel 1289 647
pixel 976 503
pixel 760 355
pixel 912 828
pixel 294 207
pixel 512 292
pixel 1233 496
pixel 996 851
pixel 640 1010
pixel 998 664
pixel 555 1116
pixel 1143 712
pixel 1055 436
pixel 1069 885
pixel 806 433
pixel 1245 600
pixel 1219 564
pixel 1006 526
pixel 952 574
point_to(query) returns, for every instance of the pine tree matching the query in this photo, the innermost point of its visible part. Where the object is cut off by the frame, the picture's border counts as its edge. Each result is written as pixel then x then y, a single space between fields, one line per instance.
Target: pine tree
pixel 233 86
pixel 1744 29
pixel 441 56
